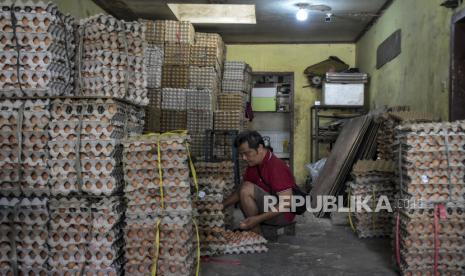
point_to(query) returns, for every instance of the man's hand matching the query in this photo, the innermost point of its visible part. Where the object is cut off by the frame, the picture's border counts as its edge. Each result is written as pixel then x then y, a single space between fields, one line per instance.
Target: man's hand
pixel 250 222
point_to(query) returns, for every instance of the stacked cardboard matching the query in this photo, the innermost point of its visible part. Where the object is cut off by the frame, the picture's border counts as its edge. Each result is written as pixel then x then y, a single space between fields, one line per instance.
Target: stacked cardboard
pixel 112 61
pixel 159 229
pixel 23 238
pixel 373 179
pixel 216 182
pixel 430 180
pixel 43 47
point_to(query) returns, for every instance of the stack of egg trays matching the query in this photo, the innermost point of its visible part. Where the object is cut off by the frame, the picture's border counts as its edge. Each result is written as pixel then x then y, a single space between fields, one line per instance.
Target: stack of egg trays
pixel 204 78
pixel 154 32
pixel 373 179
pixel 200 106
pixel 237 77
pixel 232 101
pixel 208 50
pixel 229 120
pixel 179 32
pixel 210 214
pixel 431 171
pixel 242 242
pixel 23 236
pixel 46 50
pixel 23 147
pixel 86 235
pixel 176 53
pixel 144 199
pixel 154 63
pixel 175 76
pixel 417 241
pixel 113 59
pixel 101 124
pixel 173 105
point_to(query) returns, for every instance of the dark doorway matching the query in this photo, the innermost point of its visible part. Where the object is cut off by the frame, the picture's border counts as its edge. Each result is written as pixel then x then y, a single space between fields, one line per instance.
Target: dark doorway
pixel 457 94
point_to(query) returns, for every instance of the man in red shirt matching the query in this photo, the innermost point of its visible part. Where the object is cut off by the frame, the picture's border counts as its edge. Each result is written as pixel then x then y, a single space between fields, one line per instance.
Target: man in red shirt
pixel 266 174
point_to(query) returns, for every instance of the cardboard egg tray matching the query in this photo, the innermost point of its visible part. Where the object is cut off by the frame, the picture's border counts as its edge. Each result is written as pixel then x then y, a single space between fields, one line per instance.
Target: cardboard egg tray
pixel 154 62
pixel 23 129
pixel 154 32
pixel 200 99
pixel 198 121
pixel 176 53
pixel 231 101
pixel 197 145
pixel 174 99
pixel 173 120
pixel 204 78
pixel 90 231
pixel 112 62
pixel 100 124
pixel 431 171
pixel 179 32
pixel 244 242
pixel 143 194
pixel 229 120
pixel 175 76
pixel 208 50
pixel 47 46
pixel 23 241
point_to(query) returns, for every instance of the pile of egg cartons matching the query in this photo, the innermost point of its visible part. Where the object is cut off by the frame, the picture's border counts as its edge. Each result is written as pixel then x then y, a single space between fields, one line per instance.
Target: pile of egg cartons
pixel 23 147
pixel 23 239
pixel 386 134
pixel 240 242
pixel 85 144
pixel 237 77
pixel 200 106
pixel 158 205
pixel 373 180
pixel 112 61
pixel 153 65
pixel 208 51
pixel 43 46
pixel 86 236
pixel 174 106
pixel 229 120
pixel 430 180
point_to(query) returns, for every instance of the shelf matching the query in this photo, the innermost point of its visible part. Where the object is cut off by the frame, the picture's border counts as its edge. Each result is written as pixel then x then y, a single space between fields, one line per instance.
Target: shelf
pixel 281 154
pixel 272 112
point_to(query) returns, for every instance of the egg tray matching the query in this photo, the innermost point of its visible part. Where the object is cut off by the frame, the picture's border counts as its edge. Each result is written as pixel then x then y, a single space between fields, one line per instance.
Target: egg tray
pixel 427 244
pixel 429 272
pixel 247 249
pixel 175 76
pixel 199 120
pixel 206 56
pixel 168 141
pixel 153 208
pixel 104 36
pixel 425 260
pixel 143 230
pixel 176 53
pixel 146 195
pixel 426 227
pixel 168 270
pixel 204 78
pixel 178 31
pixel 154 61
pixel 179 253
pixel 95 109
pixel 133 184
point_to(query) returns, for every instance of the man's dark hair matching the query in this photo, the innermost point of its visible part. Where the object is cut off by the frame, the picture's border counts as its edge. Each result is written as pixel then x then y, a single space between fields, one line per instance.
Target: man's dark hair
pixel 252 137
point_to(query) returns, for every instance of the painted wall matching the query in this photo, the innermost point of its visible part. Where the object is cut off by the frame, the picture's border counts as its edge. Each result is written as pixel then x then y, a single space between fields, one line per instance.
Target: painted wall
pixel 294 58
pixel 78 8
pixel 419 76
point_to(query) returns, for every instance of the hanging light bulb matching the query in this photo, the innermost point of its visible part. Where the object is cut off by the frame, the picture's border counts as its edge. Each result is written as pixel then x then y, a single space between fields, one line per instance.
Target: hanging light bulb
pixel 302 13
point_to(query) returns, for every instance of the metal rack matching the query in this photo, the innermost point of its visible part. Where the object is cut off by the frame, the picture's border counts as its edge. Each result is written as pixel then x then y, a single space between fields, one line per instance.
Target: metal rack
pixel 327 134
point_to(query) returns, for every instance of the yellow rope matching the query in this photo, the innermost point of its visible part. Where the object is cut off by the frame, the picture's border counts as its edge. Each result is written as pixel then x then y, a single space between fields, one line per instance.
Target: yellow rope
pixel 157 252
pixel 197 270
pixel 350 216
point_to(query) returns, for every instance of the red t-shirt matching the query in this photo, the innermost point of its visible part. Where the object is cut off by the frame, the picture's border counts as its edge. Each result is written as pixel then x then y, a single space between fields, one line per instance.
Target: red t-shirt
pixel 276 173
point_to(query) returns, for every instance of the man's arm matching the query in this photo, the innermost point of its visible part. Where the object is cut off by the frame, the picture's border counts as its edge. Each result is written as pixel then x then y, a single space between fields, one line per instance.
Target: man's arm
pixel 251 222
pixel 232 199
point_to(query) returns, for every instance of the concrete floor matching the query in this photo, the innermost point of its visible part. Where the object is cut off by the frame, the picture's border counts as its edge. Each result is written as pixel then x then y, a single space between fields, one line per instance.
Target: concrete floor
pixel 319 248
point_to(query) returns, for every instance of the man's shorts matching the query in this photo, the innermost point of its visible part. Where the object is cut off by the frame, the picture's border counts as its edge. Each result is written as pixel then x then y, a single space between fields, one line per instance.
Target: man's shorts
pixel 259 195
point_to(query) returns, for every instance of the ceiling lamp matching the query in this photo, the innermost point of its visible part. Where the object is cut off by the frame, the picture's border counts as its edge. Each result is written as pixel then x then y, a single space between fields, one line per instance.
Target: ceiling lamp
pixel 302 13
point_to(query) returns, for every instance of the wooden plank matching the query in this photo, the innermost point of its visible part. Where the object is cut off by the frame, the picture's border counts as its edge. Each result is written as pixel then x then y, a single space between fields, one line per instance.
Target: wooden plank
pixel 341 158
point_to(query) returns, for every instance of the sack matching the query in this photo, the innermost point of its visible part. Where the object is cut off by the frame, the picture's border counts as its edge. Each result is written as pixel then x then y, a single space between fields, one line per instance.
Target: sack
pixel 296 191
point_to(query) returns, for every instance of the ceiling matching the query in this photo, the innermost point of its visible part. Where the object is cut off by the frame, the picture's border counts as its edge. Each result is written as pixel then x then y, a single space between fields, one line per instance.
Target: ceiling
pixel 276 22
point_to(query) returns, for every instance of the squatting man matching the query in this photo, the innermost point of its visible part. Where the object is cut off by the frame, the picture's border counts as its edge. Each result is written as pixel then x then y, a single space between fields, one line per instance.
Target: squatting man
pixel 266 174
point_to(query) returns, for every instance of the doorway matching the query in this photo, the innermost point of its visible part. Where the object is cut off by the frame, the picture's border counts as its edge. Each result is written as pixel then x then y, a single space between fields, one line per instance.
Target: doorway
pixel 457 93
